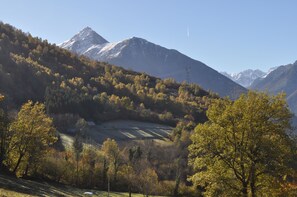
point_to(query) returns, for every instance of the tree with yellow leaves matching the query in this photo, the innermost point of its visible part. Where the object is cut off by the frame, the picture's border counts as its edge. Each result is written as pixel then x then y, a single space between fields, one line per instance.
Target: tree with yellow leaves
pixel 111 152
pixel 32 133
pixel 243 149
pixel 148 181
pixel 129 176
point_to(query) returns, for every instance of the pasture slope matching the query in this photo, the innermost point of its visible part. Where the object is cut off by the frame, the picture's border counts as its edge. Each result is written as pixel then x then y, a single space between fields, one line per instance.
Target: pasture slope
pixel 13 187
pixel 124 130
pixel 121 130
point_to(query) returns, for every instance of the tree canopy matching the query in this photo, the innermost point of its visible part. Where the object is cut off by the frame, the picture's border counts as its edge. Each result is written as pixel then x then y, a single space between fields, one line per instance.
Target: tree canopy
pixel 31 134
pixel 111 151
pixel 244 148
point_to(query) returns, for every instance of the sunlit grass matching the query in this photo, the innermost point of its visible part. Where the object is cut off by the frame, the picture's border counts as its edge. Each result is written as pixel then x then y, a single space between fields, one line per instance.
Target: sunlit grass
pixel 13 187
pixel 76 192
pixel 8 193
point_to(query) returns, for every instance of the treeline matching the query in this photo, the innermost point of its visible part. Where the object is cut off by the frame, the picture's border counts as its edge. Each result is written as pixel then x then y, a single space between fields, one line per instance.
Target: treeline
pixel 31 147
pixel 32 69
pixel 135 167
pixel 244 149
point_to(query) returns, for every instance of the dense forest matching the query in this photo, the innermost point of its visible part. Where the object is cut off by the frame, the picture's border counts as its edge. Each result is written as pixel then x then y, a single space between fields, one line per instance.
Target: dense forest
pixel 33 69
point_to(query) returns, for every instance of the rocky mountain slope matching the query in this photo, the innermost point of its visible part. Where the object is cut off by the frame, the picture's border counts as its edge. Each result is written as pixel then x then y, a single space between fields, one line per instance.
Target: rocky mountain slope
pixel 143 56
pixel 282 79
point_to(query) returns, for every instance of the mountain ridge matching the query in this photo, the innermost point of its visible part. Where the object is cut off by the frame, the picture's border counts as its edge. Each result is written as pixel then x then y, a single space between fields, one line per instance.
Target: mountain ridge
pixel 141 55
pixel 246 77
pixel 97 91
pixel 282 79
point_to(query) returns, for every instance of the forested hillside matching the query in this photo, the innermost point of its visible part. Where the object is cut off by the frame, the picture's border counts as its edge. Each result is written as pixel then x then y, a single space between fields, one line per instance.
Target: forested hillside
pixel 141 55
pixel 73 86
pixel 33 69
pixel 218 147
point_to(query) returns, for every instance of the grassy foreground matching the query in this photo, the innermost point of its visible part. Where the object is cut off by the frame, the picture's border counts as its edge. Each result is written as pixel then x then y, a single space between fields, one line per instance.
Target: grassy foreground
pixel 10 186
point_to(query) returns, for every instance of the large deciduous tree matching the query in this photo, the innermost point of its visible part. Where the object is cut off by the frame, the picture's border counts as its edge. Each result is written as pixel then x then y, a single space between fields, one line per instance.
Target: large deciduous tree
pixel 112 153
pixel 244 148
pixel 32 133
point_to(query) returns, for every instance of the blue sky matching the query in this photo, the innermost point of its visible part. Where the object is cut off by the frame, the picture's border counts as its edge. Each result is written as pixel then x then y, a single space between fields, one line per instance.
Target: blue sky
pixel 227 35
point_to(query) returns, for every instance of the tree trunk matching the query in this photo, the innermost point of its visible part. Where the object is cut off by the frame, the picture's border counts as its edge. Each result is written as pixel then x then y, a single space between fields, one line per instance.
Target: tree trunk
pixel 130 192
pixel 2 154
pixel 27 166
pixel 18 163
pixel 1 162
pixel 244 189
pixel 177 182
pixel 115 174
pixel 76 172
pixel 108 187
pixel 27 169
pixel 104 175
pixel 253 181
pixel 146 191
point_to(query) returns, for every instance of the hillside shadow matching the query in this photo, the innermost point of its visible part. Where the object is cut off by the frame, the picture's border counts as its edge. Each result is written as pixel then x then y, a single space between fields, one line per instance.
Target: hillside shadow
pixel 33 188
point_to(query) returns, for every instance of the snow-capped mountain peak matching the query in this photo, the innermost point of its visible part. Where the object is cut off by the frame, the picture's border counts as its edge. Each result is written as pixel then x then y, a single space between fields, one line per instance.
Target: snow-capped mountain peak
pixel 140 55
pixel 83 40
pixel 107 51
pixel 246 77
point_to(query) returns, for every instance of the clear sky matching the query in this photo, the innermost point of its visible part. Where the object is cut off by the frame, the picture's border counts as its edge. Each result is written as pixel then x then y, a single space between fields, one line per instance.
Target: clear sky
pixel 227 35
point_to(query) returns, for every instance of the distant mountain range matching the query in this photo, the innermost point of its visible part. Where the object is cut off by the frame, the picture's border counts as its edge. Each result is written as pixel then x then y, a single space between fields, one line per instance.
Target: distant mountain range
pixel 143 56
pixel 282 79
pixel 277 79
pixel 247 77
